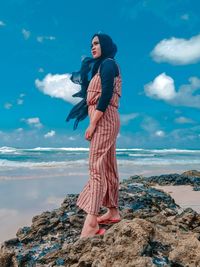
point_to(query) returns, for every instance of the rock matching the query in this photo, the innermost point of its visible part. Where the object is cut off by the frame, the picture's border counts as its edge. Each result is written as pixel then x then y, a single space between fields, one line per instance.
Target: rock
pixel 191 173
pixel 153 232
pixel 188 219
pixel 6 259
pixel 187 178
pixel 196 188
pixel 186 252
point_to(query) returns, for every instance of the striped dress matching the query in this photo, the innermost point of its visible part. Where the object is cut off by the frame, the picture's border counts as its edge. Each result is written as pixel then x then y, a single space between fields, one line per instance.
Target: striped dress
pixel 103 185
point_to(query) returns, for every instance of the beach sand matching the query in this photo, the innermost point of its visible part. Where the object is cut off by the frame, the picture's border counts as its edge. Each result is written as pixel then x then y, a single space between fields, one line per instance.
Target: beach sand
pixel 183 195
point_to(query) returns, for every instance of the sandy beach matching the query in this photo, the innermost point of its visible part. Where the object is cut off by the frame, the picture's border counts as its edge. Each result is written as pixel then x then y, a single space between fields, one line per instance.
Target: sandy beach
pixel 183 195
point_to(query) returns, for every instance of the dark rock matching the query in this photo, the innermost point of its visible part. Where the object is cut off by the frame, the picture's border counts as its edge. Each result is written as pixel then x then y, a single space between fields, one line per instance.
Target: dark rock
pixel 196 188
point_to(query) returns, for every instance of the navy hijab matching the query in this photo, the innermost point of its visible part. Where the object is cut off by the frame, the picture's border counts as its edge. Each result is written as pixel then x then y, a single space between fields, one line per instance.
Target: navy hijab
pixel 89 67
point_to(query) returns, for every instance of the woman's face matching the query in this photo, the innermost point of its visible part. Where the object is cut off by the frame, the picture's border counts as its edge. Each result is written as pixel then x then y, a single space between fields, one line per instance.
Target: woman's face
pixel 95 47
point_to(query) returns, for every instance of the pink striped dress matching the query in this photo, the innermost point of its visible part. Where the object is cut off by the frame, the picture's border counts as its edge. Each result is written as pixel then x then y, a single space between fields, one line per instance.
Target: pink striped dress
pixel 103 185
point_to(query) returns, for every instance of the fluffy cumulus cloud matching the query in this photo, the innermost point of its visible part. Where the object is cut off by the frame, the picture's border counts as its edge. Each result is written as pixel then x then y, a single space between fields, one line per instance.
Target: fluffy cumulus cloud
pixel 126 118
pixel 163 88
pixel 50 134
pixel 59 86
pixel 35 122
pixel 178 51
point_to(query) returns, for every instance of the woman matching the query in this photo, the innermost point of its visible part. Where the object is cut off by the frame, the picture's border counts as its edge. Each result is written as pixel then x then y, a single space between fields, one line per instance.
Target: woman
pixel 103 93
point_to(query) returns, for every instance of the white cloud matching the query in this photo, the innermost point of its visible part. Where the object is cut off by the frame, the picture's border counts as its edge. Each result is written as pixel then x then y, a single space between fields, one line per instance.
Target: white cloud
pixel 8 105
pixel 33 122
pixel 160 133
pixel 2 23
pixel 40 39
pixel 59 86
pixel 26 34
pixel 19 101
pixel 183 120
pixel 50 134
pixel 163 88
pixel 126 118
pixel 178 51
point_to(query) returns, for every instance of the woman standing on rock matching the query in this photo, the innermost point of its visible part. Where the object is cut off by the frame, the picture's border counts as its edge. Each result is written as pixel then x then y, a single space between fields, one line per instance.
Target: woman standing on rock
pixel 102 98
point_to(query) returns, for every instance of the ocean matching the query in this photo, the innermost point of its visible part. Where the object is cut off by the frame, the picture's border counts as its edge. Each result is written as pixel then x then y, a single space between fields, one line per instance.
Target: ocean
pixel 39 158
pixel 38 179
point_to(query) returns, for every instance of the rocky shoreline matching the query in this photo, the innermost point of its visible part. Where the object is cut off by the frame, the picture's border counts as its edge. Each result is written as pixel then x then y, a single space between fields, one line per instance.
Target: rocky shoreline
pixel 154 231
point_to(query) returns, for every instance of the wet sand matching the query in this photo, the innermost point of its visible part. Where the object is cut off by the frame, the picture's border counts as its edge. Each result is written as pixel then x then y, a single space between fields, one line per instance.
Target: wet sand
pixel 183 195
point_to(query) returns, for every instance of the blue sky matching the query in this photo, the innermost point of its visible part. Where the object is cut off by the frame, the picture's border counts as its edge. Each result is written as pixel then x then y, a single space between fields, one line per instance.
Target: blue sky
pixel 42 42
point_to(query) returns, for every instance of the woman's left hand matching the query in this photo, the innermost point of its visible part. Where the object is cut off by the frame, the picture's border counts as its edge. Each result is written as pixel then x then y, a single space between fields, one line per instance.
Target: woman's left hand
pixel 89 132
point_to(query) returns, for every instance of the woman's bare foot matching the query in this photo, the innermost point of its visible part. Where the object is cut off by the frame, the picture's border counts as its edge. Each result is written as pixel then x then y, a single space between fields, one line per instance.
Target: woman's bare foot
pixel 90 226
pixel 112 213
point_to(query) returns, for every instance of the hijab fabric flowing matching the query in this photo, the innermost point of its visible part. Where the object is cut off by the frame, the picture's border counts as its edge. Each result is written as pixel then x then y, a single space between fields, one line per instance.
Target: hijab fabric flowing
pixel 89 67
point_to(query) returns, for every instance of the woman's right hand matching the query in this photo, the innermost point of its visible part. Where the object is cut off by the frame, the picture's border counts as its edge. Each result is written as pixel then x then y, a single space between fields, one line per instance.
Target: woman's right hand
pixel 89 132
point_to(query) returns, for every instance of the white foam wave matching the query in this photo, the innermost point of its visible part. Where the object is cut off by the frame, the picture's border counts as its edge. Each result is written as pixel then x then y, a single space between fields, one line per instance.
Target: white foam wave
pixel 158 162
pixel 141 155
pixel 174 151
pixel 50 164
pixel 4 164
pixel 6 149
pixel 58 149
